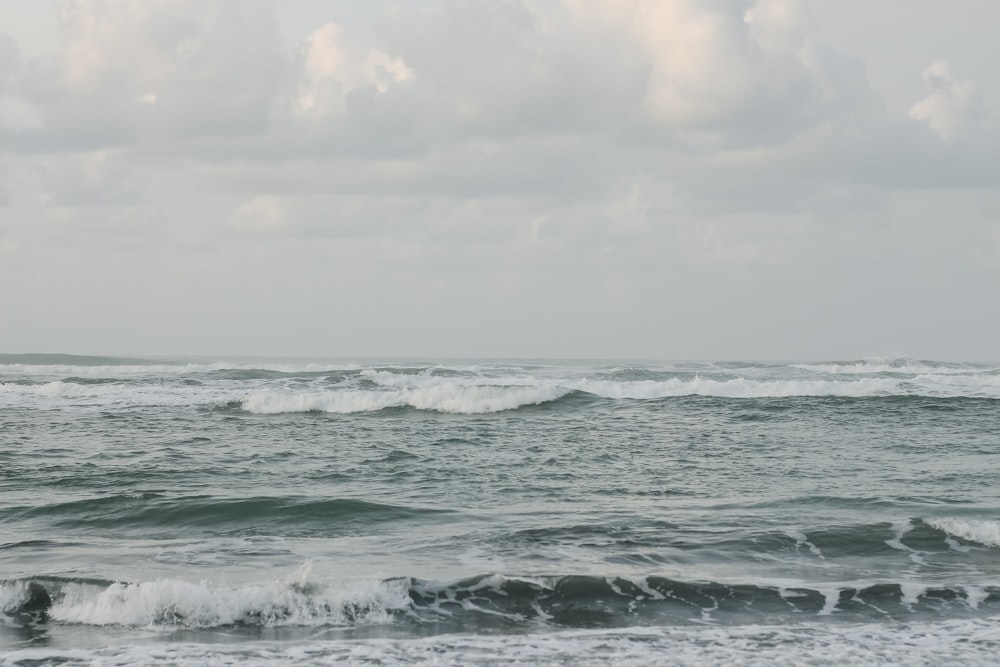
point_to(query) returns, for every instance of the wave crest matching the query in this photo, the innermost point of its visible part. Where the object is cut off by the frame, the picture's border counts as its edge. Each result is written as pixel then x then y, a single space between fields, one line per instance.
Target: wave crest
pixel 485 601
pixel 971 530
pixel 447 397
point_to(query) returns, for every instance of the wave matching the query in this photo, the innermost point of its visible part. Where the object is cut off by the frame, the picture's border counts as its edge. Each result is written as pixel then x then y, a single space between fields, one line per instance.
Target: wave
pixel 738 388
pixel 978 531
pixel 894 365
pixel 105 394
pixel 450 391
pixel 487 601
pixel 838 547
pixel 64 366
pixel 447 396
pixel 152 513
pixel 733 387
pixel 176 603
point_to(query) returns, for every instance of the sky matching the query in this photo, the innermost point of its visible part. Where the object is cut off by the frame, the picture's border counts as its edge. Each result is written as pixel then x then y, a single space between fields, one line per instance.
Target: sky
pixel 656 179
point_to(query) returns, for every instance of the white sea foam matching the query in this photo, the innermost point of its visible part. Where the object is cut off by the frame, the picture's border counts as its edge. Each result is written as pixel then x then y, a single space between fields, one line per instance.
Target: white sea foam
pixel 446 396
pixel 448 390
pixel 969 385
pixel 967 642
pixel 733 387
pixel 58 392
pixel 737 388
pixel 344 402
pixel 171 602
pixel 893 365
pixel 12 596
pixel 972 530
pixel 57 389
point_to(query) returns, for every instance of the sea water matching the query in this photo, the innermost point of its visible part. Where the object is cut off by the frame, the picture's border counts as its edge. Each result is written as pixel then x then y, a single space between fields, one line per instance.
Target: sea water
pixel 269 512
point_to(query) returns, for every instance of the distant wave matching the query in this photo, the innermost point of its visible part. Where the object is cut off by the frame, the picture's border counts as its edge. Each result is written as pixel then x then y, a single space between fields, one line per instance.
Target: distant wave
pixel 281 388
pixel 123 394
pixel 159 368
pixel 739 387
pixel 458 397
pixel 895 365
pixel 84 360
pixel 443 397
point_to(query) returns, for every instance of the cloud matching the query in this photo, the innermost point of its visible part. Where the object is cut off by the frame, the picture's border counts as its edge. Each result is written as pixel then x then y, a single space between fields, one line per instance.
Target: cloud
pixel 10 59
pixel 780 25
pixel 140 71
pixel 567 158
pixel 951 105
pixel 260 215
pixel 96 178
pixel 331 68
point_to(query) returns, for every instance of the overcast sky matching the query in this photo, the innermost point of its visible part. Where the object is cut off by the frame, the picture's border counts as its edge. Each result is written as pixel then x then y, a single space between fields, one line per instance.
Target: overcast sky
pixel 673 179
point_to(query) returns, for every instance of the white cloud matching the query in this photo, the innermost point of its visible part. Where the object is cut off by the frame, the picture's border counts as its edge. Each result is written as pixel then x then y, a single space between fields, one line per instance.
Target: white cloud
pixel 780 25
pixel 326 72
pixel 17 114
pixel 260 215
pixel 10 59
pixel 332 67
pixel 95 178
pixel 145 71
pixel 951 104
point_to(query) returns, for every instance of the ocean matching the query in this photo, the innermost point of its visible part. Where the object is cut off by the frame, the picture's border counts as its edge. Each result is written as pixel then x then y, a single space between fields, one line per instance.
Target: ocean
pixel 496 512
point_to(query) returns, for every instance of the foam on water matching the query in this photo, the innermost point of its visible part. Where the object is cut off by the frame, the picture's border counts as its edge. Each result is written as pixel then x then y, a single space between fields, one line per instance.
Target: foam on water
pixel 968 642
pixel 444 397
pixel 971 530
pixel 526 602
pixel 893 365
pixel 12 597
pixel 738 388
pixel 58 393
pixel 170 602
pixel 458 389
pixel 733 387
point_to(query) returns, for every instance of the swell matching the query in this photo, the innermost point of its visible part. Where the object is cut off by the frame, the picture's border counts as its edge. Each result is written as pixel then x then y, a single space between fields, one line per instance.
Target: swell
pixel 158 515
pixel 656 542
pixel 483 602
pixel 589 601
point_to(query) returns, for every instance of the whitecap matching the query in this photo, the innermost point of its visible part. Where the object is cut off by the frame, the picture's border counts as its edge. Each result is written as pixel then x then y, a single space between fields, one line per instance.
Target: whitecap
pixel 972 530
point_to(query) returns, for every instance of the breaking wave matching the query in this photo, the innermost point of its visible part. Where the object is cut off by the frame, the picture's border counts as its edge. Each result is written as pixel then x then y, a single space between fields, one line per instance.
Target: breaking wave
pixel 483 601
pixel 971 530
pixel 345 389
pixel 445 397
pixel 883 365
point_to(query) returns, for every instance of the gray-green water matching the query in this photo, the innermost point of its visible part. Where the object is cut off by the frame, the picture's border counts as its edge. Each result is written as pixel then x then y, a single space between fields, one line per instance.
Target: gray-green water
pixel 304 512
